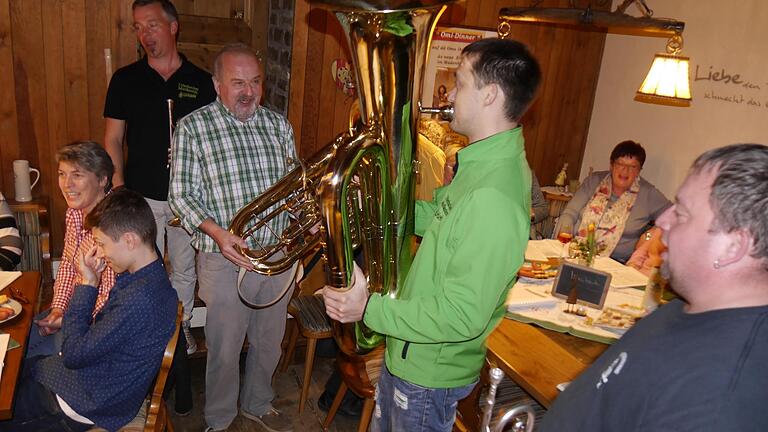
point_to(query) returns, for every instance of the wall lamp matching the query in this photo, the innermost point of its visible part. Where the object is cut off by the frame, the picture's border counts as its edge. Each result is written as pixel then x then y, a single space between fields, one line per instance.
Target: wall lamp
pixel 667 81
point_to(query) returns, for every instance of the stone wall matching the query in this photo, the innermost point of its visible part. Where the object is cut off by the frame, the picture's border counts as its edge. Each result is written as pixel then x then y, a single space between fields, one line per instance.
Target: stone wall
pixel 278 55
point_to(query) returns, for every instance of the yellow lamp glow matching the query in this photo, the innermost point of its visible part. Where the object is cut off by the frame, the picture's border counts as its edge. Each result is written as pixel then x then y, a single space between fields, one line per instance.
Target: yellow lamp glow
pixel 667 81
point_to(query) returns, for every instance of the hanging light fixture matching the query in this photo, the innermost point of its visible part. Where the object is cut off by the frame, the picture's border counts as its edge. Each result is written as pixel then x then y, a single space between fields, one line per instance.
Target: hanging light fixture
pixel 667 82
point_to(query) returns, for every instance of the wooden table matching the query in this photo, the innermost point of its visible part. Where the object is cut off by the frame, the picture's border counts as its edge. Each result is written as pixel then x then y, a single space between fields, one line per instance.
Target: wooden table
pixel 538 359
pixel 535 358
pixel 18 328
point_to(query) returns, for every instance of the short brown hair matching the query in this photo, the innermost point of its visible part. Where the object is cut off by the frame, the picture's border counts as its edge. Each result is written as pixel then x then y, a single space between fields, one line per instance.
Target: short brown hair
pixel 89 156
pixel 123 211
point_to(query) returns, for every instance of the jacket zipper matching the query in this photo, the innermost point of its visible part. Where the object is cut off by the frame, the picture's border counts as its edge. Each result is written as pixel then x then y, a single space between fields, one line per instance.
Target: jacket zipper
pixel 405 350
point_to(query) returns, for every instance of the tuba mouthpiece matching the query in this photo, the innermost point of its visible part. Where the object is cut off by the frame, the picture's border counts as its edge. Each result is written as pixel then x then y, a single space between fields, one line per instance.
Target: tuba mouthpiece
pixel 445 113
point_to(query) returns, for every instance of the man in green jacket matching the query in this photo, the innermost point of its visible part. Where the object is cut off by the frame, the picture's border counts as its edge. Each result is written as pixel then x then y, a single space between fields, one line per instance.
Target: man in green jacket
pixel 474 236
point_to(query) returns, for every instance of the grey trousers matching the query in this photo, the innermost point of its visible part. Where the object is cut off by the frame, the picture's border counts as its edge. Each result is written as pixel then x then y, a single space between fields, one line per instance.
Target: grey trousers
pixel 181 255
pixel 228 322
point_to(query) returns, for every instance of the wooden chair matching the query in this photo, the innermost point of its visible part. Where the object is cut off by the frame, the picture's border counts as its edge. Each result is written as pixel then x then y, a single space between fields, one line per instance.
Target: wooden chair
pixel 359 374
pixel 309 320
pixel 157 415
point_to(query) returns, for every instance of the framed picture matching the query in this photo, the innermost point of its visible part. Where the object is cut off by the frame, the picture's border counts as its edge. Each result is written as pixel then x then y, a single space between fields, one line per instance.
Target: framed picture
pixel 584 284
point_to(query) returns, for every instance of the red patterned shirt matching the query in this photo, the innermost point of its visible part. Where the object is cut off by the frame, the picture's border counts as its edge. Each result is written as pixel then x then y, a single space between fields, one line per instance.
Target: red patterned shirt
pixel 77 239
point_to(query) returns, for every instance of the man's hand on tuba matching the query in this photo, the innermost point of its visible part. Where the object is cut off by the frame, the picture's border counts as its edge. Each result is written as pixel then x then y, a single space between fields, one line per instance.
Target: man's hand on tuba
pixel 347 306
pixel 227 241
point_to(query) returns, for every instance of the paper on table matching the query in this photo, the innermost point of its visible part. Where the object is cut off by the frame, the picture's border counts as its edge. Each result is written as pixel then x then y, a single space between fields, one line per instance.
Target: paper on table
pixel 524 296
pixel 4 338
pixel 622 276
pixel 541 250
pixel 6 277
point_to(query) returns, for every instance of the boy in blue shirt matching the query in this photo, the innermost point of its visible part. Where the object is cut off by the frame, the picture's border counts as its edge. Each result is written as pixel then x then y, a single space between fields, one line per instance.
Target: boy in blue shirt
pixel 106 364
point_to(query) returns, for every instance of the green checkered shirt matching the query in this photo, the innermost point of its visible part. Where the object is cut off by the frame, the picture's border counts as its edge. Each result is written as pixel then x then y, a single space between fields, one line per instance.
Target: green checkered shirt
pixel 220 164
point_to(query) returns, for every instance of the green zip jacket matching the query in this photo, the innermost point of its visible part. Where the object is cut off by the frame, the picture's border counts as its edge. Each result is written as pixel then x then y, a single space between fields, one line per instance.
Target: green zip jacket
pixel 474 231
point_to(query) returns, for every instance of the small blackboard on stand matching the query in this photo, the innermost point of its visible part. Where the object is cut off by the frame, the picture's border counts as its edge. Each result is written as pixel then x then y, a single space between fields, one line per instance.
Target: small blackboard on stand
pixel 587 285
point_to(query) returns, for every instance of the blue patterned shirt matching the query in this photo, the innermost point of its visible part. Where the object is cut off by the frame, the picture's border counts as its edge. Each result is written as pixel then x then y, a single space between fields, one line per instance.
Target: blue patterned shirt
pixel 220 164
pixel 107 363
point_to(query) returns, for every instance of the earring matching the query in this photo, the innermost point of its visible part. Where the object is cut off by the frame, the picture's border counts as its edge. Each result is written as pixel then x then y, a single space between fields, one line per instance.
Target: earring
pixel 716 264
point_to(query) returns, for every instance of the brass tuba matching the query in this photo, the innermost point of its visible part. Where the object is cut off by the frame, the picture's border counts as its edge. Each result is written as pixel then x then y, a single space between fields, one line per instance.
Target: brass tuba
pixel 360 187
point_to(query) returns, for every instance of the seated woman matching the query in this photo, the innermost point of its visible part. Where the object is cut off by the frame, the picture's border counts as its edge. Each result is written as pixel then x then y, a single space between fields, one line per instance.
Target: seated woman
pixel 620 203
pixel 10 241
pixel 85 178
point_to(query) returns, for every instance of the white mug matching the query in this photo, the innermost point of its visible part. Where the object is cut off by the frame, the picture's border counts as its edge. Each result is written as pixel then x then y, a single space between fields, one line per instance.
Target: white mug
pixel 23 184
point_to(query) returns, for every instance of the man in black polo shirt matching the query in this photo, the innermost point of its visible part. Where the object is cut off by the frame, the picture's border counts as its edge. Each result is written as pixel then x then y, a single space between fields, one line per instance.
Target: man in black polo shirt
pixel 137 109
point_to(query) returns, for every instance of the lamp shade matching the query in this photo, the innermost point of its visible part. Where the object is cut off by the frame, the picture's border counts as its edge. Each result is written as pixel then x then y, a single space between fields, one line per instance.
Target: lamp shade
pixel 667 82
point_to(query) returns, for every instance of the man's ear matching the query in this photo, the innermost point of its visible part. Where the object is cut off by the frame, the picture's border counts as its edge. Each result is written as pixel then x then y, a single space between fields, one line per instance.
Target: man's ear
pixel 132 240
pixel 174 28
pixel 491 93
pixel 736 246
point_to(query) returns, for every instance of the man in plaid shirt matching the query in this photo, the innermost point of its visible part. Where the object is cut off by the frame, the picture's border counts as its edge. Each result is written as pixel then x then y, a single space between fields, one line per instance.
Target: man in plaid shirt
pixel 224 155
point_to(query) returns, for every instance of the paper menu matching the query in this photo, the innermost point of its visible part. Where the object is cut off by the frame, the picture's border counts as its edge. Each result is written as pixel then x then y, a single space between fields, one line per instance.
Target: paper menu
pixel 524 296
pixel 622 276
pixel 6 277
pixel 541 250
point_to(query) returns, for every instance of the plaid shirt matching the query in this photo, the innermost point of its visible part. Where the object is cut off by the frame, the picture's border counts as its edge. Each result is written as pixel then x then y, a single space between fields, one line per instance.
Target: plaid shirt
pixel 220 164
pixel 77 239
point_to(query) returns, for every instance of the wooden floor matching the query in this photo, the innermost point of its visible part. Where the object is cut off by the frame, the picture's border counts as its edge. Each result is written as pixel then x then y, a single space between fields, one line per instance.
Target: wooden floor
pixel 287 386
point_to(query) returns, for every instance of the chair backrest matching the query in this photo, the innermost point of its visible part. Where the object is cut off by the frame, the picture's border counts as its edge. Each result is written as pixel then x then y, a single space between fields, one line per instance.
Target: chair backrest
pixel 157 415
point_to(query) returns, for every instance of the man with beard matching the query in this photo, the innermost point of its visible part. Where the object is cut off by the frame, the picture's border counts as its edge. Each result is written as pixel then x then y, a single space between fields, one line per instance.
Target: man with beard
pixel 699 362
pixel 224 155
pixel 137 109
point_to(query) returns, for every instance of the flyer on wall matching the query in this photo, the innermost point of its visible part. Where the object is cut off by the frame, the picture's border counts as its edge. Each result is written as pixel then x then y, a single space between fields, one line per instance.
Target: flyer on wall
pixel 444 58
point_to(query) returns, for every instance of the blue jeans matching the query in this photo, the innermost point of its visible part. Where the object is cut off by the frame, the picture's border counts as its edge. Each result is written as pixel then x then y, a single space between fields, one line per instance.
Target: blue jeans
pixel 36 408
pixel 404 406
pixel 38 345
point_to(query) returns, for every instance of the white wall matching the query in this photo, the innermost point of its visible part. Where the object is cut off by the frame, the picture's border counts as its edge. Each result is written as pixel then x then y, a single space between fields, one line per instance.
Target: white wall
pixel 719 34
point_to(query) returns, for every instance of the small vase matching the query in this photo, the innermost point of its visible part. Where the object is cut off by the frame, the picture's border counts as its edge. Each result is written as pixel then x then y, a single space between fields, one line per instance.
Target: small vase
pixel 586 259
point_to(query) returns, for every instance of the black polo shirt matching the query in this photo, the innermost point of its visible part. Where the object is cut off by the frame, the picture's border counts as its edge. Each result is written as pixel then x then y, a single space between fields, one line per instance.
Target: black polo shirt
pixel 138 95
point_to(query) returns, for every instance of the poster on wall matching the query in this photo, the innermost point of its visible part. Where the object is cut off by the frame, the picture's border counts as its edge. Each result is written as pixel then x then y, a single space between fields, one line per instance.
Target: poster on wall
pixel 444 58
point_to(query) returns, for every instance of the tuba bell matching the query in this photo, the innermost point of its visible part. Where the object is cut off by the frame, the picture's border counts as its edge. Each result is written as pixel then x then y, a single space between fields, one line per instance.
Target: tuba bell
pixel 359 189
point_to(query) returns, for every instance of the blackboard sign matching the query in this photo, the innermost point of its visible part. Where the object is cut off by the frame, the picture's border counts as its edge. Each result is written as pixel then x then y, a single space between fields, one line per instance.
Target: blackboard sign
pixel 587 285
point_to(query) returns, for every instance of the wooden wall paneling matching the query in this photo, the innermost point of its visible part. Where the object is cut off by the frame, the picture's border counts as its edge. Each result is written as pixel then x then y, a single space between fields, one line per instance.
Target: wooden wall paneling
pixel 298 69
pixel 589 46
pixel 327 101
pixel 9 132
pixel 57 120
pixel 75 70
pixel 259 23
pixel 342 102
pixel 488 15
pixel 185 6
pixel 213 8
pixel 123 41
pixel 97 33
pixel 213 30
pixel 30 77
pixel 317 22
pixel 559 139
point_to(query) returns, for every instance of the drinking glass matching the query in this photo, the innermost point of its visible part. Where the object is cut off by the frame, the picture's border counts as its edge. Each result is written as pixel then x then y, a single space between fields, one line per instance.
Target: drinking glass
pixel 564 236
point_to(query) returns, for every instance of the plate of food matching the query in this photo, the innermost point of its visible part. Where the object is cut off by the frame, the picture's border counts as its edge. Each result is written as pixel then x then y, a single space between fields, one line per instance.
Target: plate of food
pixel 618 319
pixel 537 270
pixel 9 308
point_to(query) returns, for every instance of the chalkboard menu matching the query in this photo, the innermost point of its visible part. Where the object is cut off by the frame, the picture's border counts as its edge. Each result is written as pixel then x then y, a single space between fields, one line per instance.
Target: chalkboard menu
pixel 585 285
